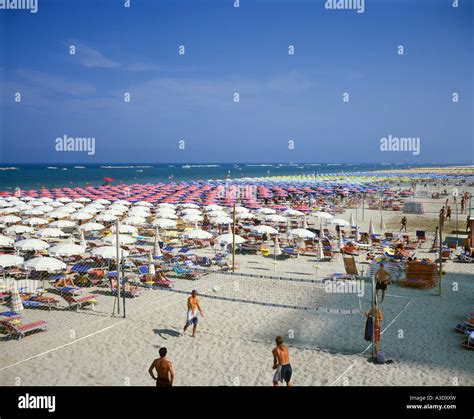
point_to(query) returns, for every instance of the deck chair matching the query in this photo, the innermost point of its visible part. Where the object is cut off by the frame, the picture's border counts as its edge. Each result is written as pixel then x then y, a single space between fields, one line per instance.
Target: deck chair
pixel 350 265
pixel 23 329
pixel 78 302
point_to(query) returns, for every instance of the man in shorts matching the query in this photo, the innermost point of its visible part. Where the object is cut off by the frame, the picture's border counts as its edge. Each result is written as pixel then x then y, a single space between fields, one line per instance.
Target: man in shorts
pixel 383 278
pixel 164 370
pixel 281 363
pixel 192 314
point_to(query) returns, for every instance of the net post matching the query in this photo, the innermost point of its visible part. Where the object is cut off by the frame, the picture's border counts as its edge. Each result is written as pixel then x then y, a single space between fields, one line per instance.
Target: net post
pixel 233 238
pixel 117 242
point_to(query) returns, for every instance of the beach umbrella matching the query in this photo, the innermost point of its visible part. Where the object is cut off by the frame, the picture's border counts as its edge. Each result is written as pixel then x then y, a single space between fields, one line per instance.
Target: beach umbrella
pixel 277 249
pixel 134 220
pixel 275 218
pixel 212 207
pixel 151 266
pixel 197 234
pixel 33 211
pixel 66 249
pixel 107 218
pixel 264 229
pixel 81 215
pixel 125 229
pixel 244 216
pixel 356 235
pixel 164 223
pixel 45 264
pixel 82 239
pixel 6 241
pixel 156 246
pixel 266 211
pixel 10 219
pixel 18 229
pixel 341 240
pixel 228 239
pixel 382 222
pixel 305 223
pixel 321 250
pixel 166 215
pixel 340 222
pixel 123 239
pixel 108 252
pixel 221 220
pixel 215 214
pixel 166 205
pixel 31 244
pixel 62 224
pixel 301 233
pixel 241 210
pixel 293 213
pixel 91 227
pixel 351 220
pixel 36 221
pixel 62 212
pixel 16 304
pixel 50 232
pixel 7 261
pixel 192 218
pixel 321 231
pixel 74 205
pixel 371 229
pixel 323 215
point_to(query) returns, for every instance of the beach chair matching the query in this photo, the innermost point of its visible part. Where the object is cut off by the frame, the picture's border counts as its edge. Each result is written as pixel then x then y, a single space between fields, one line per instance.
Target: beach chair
pixel 78 302
pixel 185 273
pixel 289 252
pixel 350 265
pixel 36 301
pixel 129 291
pixel 22 329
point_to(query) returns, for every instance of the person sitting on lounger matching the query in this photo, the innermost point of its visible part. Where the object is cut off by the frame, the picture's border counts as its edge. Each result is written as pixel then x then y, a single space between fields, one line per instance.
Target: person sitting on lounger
pixel 383 278
pixel 164 370
pixel 192 315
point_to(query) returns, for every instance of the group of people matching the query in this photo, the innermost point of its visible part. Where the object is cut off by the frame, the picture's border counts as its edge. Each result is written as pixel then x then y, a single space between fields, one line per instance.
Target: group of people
pixel 161 369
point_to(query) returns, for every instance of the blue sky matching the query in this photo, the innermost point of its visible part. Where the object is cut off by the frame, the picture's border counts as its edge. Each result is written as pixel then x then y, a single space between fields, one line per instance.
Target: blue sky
pixel 282 97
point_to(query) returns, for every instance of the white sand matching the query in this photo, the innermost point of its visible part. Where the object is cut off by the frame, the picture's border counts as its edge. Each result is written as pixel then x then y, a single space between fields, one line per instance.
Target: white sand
pixel 234 340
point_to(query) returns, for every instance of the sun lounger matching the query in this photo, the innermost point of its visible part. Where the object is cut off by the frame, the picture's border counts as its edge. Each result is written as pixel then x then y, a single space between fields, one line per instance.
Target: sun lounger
pixel 36 301
pixel 22 329
pixel 350 265
pixel 463 328
pixel 78 302
pixel 290 251
pixel 186 273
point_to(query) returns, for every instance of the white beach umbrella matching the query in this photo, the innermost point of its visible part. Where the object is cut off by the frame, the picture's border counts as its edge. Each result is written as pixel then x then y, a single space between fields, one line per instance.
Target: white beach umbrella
pixel 35 221
pixel 323 215
pixel 290 212
pixel 31 244
pixel 264 229
pixel 218 213
pixel 321 250
pixel 221 220
pixel 16 303
pixel 341 240
pixel 197 234
pixel 60 214
pixel 241 210
pixel 64 200
pixel 228 239
pixel 10 219
pixel 102 201
pixel 301 233
pixel 245 216
pixel 351 220
pixel 166 215
pixel 50 232
pixel 123 239
pixel 357 235
pixel 62 224
pixel 45 264
pixel 138 213
pixel 192 218
pixel 275 218
pixel 125 229
pixel 82 239
pixel 266 211
pixel 81 216
pixel 82 199
pixel 18 229
pixel 164 223
pixel 122 202
pixel 75 205
pixel 191 211
pixel 305 223
pixel 6 241
pixel 108 252
pixel 118 207
pixel 91 227
pixel 10 210
pixel 371 229
pixel 111 211
pixel 7 261
pixel 33 211
pixel 66 209
pixel 166 205
pixel 66 249
pixel 213 207
pixel 143 204
pixel 340 222
pixel 277 249
pixel 107 218
pixel 45 208
pixel 189 205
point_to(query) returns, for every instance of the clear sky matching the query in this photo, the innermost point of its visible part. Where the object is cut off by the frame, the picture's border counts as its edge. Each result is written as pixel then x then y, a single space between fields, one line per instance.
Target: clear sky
pixel 282 97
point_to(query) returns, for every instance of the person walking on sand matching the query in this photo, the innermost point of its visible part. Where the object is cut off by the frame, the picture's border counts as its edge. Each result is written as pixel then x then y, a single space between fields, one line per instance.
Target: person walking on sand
pixel 281 363
pixel 164 370
pixel 448 213
pixel 403 224
pixel 192 314
pixel 383 279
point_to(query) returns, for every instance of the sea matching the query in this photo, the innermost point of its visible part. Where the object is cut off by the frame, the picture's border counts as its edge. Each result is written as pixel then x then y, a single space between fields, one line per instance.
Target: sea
pixel 35 176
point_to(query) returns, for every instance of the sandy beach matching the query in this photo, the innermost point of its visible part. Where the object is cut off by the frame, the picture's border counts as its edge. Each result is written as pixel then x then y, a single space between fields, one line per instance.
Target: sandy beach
pixel 234 339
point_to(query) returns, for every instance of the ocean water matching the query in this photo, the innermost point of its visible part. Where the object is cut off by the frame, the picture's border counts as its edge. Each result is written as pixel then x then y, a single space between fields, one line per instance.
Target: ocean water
pixel 34 176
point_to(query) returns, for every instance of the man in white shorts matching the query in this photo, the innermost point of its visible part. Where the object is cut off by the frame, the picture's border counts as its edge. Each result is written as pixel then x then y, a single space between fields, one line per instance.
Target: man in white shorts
pixel 192 314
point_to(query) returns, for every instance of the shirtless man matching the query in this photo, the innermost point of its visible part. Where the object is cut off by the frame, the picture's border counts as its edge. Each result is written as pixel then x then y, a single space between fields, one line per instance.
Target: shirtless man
pixel 192 315
pixel 383 278
pixel 281 363
pixel 164 370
